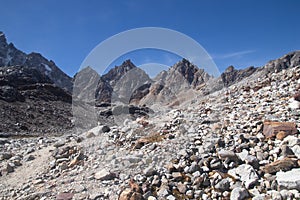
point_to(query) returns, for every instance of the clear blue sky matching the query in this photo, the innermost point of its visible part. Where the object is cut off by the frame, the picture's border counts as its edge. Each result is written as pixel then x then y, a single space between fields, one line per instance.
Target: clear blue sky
pixel 239 33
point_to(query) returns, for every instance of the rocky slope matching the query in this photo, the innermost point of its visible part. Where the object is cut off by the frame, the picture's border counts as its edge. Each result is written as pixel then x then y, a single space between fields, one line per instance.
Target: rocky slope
pixel 31 104
pixel 241 142
pixel 35 95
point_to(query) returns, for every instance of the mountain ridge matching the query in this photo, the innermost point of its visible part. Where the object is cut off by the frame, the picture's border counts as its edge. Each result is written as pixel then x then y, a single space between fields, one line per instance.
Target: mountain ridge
pixel 32 79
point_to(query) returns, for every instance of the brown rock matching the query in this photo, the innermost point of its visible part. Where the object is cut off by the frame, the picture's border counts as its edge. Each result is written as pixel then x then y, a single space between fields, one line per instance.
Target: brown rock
pixel 284 165
pixel 134 186
pixel 279 129
pixel 90 135
pixel 177 176
pixel 64 196
pixel 129 194
pixel 297 96
pixel 181 188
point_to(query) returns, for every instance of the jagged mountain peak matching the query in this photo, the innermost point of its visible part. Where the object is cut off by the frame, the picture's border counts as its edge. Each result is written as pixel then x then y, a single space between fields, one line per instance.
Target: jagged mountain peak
pixel 2 37
pixel 11 56
pixel 189 71
pixel 229 69
pixel 286 61
pixel 118 71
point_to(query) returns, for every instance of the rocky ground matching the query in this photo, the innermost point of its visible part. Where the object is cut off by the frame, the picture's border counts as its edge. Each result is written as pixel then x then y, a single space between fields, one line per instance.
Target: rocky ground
pixel 241 142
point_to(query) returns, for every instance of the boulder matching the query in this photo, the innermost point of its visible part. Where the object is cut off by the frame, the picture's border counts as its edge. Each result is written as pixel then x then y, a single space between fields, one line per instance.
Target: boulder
pixel 289 180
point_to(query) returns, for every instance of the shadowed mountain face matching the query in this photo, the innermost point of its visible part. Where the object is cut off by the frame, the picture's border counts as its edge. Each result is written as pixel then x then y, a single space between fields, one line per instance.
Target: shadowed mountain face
pixel 31 103
pixel 35 95
pixel 11 56
pixel 232 75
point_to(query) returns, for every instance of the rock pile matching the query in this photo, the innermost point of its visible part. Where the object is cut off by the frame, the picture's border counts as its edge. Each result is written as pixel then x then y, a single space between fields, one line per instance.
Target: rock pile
pixel 242 142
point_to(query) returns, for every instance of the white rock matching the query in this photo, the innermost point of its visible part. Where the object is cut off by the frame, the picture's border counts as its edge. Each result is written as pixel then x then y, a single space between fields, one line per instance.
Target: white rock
pixel 291 140
pixel 171 197
pixel 243 155
pixel 289 179
pixel 245 173
pixel 104 175
pixel 239 194
pixel 293 104
pixel 296 150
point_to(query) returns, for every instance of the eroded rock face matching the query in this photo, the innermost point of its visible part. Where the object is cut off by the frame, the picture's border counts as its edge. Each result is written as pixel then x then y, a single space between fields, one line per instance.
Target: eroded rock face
pixel 11 56
pixel 232 75
pixel 35 94
pixel 286 61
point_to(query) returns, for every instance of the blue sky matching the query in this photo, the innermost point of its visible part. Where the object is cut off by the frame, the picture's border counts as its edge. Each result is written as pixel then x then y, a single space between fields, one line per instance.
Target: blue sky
pixel 239 33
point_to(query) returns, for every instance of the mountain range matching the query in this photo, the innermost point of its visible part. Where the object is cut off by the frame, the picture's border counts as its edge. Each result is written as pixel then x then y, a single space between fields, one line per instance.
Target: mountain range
pixel 36 95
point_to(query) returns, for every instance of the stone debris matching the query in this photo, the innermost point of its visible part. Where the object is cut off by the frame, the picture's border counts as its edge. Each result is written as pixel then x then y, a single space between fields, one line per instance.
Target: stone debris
pixel 242 142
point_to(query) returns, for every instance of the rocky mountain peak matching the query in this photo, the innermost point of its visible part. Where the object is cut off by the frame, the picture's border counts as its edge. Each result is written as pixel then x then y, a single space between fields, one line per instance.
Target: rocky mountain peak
pixel 192 74
pixel 229 69
pixel 2 37
pixel 118 71
pixel 11 56
pixel 289 60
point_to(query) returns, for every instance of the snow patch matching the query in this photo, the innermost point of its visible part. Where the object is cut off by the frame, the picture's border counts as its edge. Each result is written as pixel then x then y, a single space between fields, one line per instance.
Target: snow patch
pixel 8 57
pixel 47 67
pixel 48 70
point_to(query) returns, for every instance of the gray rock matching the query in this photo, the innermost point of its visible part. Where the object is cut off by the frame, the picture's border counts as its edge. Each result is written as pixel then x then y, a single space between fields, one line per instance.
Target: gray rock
pixel 223 185
pixel 59 143
pixel 5 156
pixel 163 191
pixel 239 194
pixel 30 150
pixel 286 151
pixel 181 188
pixel 243 155
pixel 246 174
pixel 149 171
pixel 252 160
pixel 285 194
pixel 9 168
pixel 104 175
pixel 28 158
pixel 289 180
pixel 105 129
pixel 225 154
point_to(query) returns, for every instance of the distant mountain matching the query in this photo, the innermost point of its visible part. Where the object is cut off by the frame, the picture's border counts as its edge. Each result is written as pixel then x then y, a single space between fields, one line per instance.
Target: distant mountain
pixel 174 84
pixel 11 56
pixel 36 96
pixel 121 80
pixel 232 75
pixel 180 81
